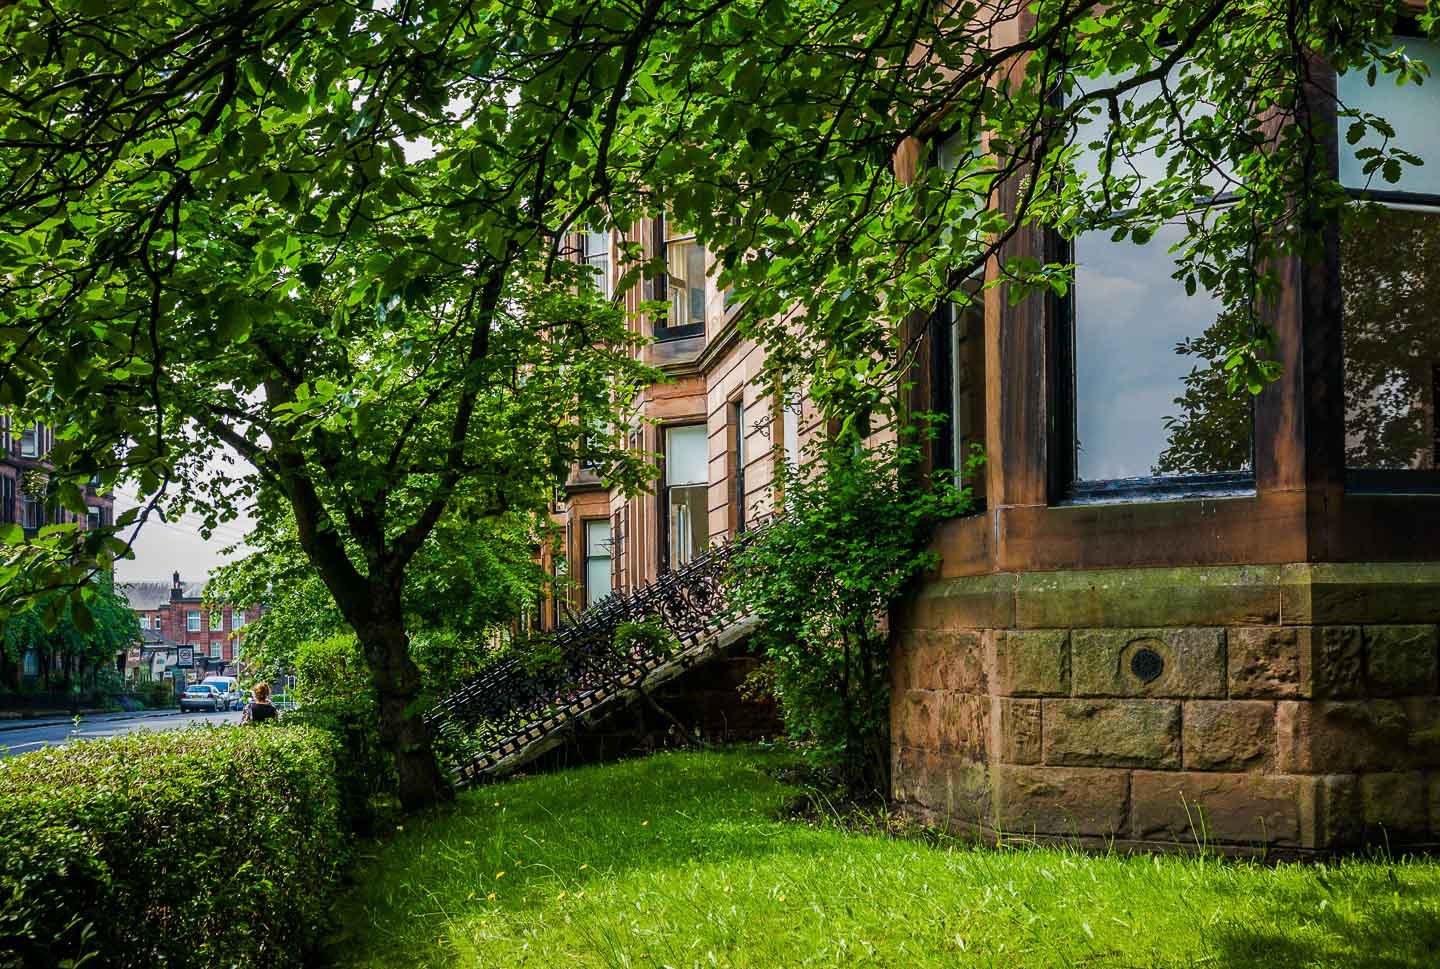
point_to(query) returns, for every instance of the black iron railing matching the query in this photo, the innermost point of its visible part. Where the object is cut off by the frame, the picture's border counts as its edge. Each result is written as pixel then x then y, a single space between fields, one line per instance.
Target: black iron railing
pixel 521 700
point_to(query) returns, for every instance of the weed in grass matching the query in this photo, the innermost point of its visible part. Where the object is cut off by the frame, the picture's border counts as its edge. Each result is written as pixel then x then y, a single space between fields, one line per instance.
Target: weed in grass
pixel 718 878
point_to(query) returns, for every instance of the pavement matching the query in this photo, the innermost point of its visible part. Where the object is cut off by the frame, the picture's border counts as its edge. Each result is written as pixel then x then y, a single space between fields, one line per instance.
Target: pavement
pixel 23 736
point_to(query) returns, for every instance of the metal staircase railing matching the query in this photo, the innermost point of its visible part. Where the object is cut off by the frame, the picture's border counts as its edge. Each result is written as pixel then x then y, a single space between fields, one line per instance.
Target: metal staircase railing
pixel 521 704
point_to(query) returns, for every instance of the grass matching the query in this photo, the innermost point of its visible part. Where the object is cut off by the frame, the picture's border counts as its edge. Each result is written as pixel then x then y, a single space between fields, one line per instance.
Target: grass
pixel 678 860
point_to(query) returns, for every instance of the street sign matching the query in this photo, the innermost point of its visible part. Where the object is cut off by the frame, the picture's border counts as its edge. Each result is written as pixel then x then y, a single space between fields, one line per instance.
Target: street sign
pixel 185 657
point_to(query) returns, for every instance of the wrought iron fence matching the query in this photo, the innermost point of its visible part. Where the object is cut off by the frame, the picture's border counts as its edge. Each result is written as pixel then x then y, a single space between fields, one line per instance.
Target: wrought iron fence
pixel 560 672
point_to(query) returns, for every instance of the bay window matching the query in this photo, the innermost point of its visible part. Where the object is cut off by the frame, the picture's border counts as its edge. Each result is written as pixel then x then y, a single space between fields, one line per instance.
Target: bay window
pixel 1389 254
pixel 957 386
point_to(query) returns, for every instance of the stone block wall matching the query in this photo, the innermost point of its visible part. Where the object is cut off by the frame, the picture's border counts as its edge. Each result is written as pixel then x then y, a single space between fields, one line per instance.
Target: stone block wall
pixel 1290 709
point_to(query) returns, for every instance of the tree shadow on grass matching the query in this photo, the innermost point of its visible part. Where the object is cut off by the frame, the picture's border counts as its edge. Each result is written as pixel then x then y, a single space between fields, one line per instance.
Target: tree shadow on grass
pixel 1378 917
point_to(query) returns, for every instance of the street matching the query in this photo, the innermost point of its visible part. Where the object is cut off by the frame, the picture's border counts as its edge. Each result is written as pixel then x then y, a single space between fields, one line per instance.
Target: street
pixel 18 739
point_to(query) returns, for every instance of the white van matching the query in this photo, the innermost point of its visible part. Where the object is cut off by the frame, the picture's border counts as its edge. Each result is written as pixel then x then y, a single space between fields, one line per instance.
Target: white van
pixel 229 686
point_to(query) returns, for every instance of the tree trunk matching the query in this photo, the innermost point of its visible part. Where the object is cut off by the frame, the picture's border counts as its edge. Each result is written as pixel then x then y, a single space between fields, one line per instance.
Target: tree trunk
pixel 397 685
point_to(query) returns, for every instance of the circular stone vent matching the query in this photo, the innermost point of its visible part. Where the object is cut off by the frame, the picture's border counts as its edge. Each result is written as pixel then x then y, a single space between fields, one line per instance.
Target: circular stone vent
pixel 1147 664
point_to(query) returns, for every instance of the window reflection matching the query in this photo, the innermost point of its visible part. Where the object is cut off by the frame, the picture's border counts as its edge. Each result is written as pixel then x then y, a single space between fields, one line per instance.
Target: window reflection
pixel 1150 395
pixel 1389 266
pixel 1389 259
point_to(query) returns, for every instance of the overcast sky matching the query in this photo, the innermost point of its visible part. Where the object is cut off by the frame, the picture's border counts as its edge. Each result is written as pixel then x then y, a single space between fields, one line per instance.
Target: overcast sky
pixel 163 547
pixel 166 546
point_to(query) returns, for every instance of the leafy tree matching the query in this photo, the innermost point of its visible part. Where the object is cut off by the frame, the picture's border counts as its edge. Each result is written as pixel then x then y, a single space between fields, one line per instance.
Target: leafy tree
pixel 470 579
pixel 83 641
pixel 331 236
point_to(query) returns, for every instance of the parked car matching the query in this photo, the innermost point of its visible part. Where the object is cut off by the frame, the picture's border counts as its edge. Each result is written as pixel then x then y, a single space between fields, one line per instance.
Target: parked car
pixel 202 696
pixel 229 688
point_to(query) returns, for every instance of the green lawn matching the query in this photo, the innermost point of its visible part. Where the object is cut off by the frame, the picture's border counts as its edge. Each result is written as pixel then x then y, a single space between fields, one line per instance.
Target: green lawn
pixel 677 860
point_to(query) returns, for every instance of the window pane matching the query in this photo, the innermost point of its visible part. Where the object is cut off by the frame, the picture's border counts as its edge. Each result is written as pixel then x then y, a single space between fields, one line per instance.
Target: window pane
pixel 686 455
pixel 738 488
pixel 1150 397
pixel 597 537
pixel 1392 338
pixel 597 561
pixel 597 257
pixel 1411 110
pixel 689 522
pixel 967 391
pixel 790 419
pixel 685 265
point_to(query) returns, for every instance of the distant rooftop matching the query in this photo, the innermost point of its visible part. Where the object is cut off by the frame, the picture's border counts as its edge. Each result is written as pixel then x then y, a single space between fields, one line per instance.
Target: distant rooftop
pixel 154 593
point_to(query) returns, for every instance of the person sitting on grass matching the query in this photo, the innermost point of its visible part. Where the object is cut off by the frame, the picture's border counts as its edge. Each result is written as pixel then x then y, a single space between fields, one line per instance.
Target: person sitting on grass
pixel 260 709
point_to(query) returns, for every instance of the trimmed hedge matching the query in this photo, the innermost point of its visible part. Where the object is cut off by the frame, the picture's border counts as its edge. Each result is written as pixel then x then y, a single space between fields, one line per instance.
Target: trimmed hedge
pixel 215 847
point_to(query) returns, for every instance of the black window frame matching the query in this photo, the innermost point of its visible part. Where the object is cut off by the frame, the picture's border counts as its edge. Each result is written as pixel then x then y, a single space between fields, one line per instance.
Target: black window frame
pixel 662 495
pixel 660 289
pixel 737 457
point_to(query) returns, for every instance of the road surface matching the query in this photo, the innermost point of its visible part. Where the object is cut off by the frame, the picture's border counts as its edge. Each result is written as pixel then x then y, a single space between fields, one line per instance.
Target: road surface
pixel 17 739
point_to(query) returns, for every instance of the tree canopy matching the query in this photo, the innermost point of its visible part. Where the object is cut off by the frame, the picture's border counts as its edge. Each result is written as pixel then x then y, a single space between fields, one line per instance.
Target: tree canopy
pixel 333 236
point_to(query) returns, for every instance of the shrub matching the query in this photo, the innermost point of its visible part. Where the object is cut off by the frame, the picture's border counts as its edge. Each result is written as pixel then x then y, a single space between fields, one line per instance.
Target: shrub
pixel 201 847
pixel 336 696
pixel 156 694
pixel 649 636
pixel 821 579
pixel 330 668
pixel 366 770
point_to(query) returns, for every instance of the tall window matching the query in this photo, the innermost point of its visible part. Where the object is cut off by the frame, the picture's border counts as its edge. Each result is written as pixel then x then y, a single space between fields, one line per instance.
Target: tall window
pixel 597 560
pixel 958 386
pixel 237 619
pixel 790 433
pixel 1389 255
pixel 7 499
pixel 1150 397
pixel 215 649
pixel 595 252
pixel 737 460
pixel 32 512
pixel 687 485
pixel 217 620
pixel 30 441
pixel 683 284
pixel 192 620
